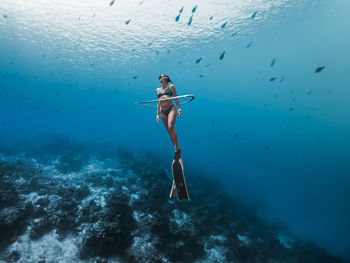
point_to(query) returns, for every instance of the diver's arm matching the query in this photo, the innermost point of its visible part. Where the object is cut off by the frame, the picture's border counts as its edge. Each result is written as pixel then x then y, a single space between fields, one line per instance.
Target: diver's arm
pixel 172 87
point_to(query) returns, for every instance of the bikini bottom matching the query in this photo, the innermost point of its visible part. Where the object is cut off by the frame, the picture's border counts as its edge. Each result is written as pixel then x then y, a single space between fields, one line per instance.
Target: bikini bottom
pixel 166 112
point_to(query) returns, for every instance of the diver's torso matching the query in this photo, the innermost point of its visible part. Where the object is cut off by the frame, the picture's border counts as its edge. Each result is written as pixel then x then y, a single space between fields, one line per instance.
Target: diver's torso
pixel 165 104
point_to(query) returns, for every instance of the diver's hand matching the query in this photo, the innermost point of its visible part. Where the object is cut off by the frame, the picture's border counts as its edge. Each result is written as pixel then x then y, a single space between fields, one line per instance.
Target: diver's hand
pixel 179 112
pixel 158 118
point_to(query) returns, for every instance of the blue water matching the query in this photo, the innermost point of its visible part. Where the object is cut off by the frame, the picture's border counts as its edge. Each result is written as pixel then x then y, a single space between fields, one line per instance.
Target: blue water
pixel 263 122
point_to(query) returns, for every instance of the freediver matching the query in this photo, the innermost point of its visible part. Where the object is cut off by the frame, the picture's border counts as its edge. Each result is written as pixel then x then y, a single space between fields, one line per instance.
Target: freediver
pixel 168 110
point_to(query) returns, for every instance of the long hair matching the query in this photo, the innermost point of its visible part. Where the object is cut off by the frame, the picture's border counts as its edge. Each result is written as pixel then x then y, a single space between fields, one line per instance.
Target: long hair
pixel 169 80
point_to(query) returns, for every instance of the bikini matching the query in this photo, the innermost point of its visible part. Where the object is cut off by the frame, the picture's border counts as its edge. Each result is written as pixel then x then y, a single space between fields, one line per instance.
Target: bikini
pixel 166 92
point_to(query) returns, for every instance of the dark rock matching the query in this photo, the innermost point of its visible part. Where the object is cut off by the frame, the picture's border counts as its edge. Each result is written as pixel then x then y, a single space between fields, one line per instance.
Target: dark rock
pixel 13 221
pixel 90 213
pixel 8 194
pixel 14 256
pixel 112 234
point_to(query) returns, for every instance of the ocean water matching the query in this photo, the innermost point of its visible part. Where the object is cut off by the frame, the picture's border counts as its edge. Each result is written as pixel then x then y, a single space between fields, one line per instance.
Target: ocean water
pixel 265 126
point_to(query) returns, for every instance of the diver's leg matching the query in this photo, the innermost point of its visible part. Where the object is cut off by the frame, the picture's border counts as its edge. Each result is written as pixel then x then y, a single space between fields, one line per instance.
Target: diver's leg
pixel 164 118
pixel 171 128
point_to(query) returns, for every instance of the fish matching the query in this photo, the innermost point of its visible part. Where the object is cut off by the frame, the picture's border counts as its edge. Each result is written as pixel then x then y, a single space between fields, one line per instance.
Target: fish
pixel 222 55
pixel 267 147
pixel 254 14
pixel 223 25
pixel 233 34
pixel 111 3
pixel 201 76
pixel 251 42
pixel 282 79
pixel 211 18
pixel 319 69
pixel 5 16
pixel 150 43
pixel 272 62
pixel 135 77
pixel 272 79
pixel 190 20
pixel 194 9
pixel 177 18
pixel 198 60
pixel 310 91
pixel 182 9
pixel 157 52
pixel 127 22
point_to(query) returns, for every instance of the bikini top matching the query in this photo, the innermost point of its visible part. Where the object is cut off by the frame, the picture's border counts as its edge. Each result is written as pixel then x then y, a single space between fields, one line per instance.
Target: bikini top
pixel 166 92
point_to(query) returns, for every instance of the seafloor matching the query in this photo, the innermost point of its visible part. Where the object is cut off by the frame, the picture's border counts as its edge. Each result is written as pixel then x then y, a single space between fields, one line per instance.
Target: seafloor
pixel 62 201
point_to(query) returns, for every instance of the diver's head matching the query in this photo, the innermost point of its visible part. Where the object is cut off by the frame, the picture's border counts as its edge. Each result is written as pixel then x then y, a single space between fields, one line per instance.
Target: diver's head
pixel 164 78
